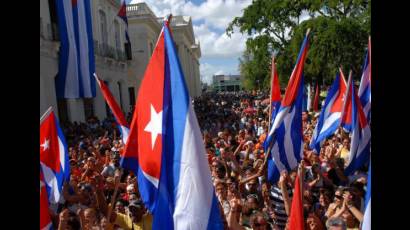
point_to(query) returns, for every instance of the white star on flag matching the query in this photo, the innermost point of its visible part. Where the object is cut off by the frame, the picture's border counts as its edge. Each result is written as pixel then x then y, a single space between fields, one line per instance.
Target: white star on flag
pixel 45 145
pixel 155 125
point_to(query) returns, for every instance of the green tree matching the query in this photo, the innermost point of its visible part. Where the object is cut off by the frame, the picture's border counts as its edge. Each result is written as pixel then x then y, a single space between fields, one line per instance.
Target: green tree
pixel 338 38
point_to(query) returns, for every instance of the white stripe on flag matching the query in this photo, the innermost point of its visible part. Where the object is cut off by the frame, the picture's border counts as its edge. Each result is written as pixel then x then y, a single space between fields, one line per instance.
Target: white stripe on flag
pixel 193 201
pixel 329 121
pixel 290 152
pixel 276 157
pixel 51 181
pixel 365 139
pixel 84 49
pixel 61 149
pixel 72 87
pixel 367 217
pixel 355 143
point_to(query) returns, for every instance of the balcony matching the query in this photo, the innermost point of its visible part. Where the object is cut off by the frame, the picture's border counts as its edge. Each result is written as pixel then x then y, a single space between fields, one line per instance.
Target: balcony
pixel 139 9
pixel 104 50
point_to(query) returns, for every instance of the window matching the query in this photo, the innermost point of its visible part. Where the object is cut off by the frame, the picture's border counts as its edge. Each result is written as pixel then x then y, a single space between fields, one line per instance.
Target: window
pixel 54 35
pixel 88 107
pixel 107 108
pixel 128 51
pixel 131 93
pixel 151 48
pixel 103 27
pixel 117 35
pixel 62 110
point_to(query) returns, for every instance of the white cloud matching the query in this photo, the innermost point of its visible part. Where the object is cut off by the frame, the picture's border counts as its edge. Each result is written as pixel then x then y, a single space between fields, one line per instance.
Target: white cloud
pixel 215 13
pixel 210 19
pixel 208 70
pixel 219 45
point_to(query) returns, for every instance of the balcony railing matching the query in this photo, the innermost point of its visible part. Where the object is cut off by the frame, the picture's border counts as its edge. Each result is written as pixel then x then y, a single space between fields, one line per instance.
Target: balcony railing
pixel 104 50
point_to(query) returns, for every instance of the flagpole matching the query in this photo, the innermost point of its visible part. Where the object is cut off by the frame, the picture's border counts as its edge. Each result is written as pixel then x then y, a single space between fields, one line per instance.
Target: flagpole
pixel 48 111
pixel 271 83
pixel 111 207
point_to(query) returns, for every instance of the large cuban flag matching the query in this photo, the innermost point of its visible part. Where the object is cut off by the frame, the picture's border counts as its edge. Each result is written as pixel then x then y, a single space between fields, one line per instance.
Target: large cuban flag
pixel 329 118
pixel 115 108
pixel 76 64
pixel 53 156
pixel 365 84
pixel 165 147
pixel 286 130
pixel 354 121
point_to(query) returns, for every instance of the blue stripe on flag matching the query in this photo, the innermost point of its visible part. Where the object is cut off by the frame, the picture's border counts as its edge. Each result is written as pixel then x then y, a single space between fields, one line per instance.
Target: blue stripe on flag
pixel 64 47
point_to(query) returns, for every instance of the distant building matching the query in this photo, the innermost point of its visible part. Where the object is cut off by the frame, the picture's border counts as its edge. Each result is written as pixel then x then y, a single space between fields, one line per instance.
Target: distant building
pixel 227 83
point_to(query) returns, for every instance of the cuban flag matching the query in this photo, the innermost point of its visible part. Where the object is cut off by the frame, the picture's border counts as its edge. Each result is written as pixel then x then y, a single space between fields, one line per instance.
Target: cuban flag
pixel 54 160
pixel 275 98
pixel 354 121
pixel 115 108
pixel 366 225
pixel 45 220
pixel 330 116
pixel 316 99
pixel 286 130
pixel 365 84
pixel 165 147
pixel 122 13
pixel 76 64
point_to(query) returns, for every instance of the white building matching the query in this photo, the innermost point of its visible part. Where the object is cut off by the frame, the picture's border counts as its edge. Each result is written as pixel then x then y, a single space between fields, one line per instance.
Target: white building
pixel 122 71
pixel 222 83
pixel 144 28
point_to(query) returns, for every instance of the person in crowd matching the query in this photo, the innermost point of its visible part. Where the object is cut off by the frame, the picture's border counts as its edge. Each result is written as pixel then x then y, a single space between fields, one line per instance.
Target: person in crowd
pixel 234 127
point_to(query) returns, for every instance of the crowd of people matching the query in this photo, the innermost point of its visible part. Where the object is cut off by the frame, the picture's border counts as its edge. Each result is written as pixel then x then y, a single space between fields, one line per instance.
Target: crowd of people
pixel 234 127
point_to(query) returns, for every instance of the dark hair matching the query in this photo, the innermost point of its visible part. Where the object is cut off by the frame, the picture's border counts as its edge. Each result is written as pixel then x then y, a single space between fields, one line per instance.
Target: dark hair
pixel 73 221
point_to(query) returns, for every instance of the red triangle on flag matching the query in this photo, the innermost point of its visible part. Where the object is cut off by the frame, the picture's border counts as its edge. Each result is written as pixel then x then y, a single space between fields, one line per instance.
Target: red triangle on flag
pixel 296 221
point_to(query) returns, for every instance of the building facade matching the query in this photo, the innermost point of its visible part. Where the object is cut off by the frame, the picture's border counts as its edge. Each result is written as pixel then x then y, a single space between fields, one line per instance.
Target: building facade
pixel 120 66
pixel 227 83
pixel 144 28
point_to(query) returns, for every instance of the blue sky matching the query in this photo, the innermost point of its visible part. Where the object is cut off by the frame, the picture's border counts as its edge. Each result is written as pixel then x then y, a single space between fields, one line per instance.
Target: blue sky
pixel 210 18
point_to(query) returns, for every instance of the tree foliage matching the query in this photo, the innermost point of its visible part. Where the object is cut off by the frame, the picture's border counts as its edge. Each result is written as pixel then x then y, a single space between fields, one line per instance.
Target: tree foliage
pixel 339 32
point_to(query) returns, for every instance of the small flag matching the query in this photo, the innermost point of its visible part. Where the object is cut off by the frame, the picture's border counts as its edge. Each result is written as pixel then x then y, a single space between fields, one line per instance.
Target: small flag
pixel 354 121
pixel 286 130
pixel 115 108
pixel 275 99
pixel 122 13
pixel 53 156
pixel 296 221
pixel 365 84
pixel 329 118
